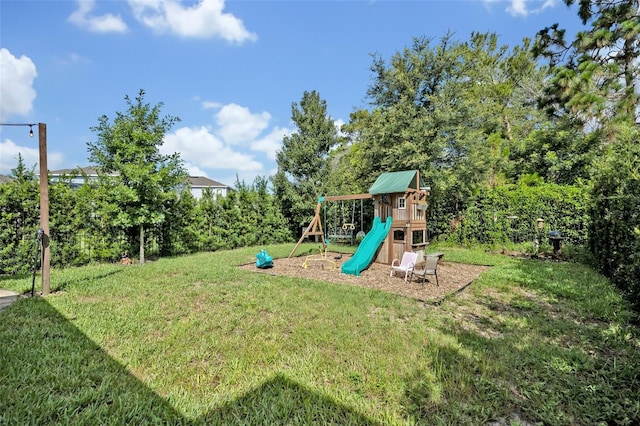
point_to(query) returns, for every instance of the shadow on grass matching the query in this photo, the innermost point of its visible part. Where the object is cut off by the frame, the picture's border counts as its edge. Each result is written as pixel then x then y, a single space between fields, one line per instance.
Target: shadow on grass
pixel 548 350
pixel 89 279
pixel 53 374
pixel 15 277
pixel 281 400
pixel 25 281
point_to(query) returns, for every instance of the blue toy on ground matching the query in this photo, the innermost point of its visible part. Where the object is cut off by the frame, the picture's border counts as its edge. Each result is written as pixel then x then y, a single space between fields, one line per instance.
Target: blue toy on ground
pixel 263 260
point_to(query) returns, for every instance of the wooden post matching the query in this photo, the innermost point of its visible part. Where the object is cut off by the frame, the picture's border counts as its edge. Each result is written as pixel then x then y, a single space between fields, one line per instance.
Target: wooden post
pixel 314 228
pixel 44 208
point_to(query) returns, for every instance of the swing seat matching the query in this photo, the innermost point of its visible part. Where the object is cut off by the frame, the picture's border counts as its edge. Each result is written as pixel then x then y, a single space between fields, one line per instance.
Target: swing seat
pixel 341 236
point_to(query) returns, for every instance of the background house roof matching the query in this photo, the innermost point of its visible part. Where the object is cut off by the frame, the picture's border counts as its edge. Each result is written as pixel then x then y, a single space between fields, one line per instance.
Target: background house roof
pixel 205 181
pixel 5 179
pixel 90 171
pixel 391 182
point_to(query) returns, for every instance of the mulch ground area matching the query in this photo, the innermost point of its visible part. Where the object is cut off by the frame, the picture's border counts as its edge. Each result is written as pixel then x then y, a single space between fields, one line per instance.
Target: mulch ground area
pixel 452 277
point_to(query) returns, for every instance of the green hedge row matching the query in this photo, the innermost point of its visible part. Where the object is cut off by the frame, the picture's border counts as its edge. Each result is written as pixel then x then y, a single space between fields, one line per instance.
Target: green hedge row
pixel 615 228
pixel 84 229
pixel 511 213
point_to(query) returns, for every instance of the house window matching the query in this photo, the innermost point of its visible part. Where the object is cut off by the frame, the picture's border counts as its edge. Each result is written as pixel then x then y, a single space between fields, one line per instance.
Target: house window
pixel 398 235
pixel 402 203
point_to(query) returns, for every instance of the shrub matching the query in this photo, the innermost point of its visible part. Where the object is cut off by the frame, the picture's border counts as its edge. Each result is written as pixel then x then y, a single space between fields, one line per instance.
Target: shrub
pixel 510 213
pixel 615 228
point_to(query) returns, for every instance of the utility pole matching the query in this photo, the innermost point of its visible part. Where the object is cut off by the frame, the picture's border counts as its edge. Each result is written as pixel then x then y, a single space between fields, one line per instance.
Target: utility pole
pixel 44 208
pixel 44 200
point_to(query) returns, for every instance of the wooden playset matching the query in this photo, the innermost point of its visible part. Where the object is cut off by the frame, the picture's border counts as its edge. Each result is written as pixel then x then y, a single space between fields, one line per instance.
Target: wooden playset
pixel 399 195
pixel 402 196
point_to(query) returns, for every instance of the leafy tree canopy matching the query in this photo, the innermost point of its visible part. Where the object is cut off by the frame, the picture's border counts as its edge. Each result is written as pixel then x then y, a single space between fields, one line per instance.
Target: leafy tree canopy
pixel 128 148
pixel 596 75
pixel 303 159
pixel 452 109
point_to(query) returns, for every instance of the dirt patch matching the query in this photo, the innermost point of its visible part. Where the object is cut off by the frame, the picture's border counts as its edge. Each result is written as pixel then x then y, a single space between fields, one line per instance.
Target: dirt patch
pixel 452 277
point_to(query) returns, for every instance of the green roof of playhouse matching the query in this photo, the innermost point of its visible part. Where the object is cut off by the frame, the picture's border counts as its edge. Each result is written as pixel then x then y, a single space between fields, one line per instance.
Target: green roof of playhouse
pixel 391 182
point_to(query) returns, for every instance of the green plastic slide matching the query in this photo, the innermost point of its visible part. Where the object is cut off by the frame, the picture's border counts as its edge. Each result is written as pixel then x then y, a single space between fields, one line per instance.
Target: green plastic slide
pixel 367 249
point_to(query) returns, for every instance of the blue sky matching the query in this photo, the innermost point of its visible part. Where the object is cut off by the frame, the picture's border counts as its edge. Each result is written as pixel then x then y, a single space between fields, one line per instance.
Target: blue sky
pixel 229 69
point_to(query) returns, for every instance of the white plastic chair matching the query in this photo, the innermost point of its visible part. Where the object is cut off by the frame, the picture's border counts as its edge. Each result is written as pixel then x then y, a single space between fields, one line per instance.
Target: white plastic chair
pixel 406 265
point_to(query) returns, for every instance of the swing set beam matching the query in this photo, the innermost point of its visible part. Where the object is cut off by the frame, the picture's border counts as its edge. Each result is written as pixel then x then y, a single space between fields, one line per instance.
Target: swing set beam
pixel 348 197
pixel 315 227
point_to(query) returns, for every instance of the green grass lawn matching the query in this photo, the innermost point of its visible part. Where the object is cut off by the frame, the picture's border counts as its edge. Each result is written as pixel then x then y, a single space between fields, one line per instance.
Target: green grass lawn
pixel 195 340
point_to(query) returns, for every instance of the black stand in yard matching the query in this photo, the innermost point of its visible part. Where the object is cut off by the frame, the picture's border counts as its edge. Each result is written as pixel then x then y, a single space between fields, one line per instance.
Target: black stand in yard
pixel 555 238
pixel 39 234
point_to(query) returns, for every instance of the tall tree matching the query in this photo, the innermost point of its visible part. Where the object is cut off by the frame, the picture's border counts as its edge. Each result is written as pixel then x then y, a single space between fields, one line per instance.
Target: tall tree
pixel 128 150
pixel 210 217
pixel 18 219
pixel 271 224
pixel 262 221
pixel 596 76
pixel 454 110
pixel 303 159
pixel 63 221
pixel 614 232
pixel 178 234
pixel 486 106
pixel 558 152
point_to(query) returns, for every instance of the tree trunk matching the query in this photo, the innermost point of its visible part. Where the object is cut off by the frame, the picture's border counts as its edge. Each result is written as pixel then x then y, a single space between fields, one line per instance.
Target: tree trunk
pixel 141 244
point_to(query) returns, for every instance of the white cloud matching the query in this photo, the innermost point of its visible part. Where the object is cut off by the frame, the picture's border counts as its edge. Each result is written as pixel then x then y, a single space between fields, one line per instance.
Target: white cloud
pixel 271 142
pixel 30 156
pixel 199 148
pixel 194 170
pixel 524 7
pixel 71 59
pixel 239 126
pixel 106 23
pixel 211 105
pixel 16 84
pixel 518 8
pixel 240 144
pixel 205 19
